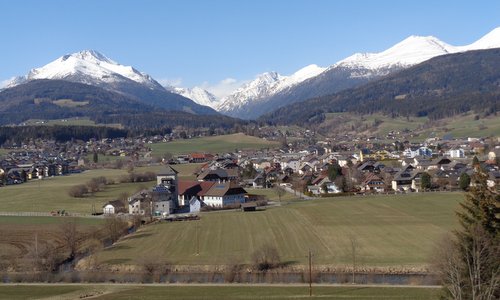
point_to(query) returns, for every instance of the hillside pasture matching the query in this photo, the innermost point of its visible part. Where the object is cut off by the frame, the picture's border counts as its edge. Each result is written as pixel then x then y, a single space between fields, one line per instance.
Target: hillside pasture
pixel 212 144
pixel 460 126
pixel 392 231
pixel 76 121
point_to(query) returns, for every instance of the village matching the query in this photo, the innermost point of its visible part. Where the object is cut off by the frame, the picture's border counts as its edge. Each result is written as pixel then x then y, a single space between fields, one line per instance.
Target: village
pixel 324 169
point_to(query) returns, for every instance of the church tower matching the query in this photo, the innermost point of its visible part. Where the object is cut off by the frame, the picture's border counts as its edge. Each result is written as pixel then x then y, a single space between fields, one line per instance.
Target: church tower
pixel 168 178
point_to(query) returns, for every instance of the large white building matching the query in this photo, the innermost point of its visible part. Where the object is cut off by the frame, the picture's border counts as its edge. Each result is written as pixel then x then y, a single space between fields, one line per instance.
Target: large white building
pixel 224 193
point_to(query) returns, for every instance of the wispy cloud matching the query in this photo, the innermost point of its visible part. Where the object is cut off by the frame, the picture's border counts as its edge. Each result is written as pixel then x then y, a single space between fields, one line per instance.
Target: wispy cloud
pixel 223 87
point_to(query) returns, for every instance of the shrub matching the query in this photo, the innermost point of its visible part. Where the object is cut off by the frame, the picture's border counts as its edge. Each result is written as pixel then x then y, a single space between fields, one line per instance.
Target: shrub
pixel 266 258
pixel 78 191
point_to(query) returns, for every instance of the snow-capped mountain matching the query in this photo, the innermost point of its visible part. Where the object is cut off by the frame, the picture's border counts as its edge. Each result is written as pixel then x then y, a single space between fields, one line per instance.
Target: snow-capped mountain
pixel 197 94
pixel 489 41
pixel 263 87
pixel 260 97
pixel 409 52
pixel 93 68
pixel 89 67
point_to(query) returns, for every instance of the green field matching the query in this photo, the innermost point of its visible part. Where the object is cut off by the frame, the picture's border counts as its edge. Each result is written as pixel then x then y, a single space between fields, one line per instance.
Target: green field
pixel 70 121
pixel 270 194
pixel 458 126
pixel 36 221
pixel 51 194
pixel 212 144
pixel 466 126
pixel 396 231
pixel 118 291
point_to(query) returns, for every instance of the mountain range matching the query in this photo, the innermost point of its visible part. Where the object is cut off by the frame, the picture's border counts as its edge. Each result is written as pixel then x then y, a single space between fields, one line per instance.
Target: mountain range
pixel 260 96
pixel 267 93
pixel 440 87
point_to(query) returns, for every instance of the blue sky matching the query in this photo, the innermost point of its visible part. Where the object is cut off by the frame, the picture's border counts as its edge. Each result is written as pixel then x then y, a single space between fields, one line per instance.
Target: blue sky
pixel 219 43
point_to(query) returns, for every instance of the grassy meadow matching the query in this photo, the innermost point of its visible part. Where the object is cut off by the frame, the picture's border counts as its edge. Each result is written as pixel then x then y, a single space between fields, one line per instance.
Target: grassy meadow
pixel 212 144
pixel 458 126
pixel 270 194
pixel 125 291
pixel 391 231
pixel 69 121
pixel 51 194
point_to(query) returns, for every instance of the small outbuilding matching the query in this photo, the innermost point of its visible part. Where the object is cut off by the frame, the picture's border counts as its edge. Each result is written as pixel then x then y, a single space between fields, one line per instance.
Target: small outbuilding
pixel 114 207
pixel 249 206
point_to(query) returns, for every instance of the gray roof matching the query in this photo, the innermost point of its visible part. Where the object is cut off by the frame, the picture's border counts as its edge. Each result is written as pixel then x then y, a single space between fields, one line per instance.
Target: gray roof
pixel 168 170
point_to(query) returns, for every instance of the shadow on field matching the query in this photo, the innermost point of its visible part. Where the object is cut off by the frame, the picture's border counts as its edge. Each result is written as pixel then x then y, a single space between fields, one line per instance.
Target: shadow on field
pixel 347 291
pixel 118 247
pixel 137 236
pixel 117 261
pixel 289 263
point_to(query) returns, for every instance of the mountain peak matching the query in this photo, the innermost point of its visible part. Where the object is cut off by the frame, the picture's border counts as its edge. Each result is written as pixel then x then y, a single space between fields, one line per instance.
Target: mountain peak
pixel 197 94
pixel 488 41
pixel 89 67
pixel 410 51
pixel 89 55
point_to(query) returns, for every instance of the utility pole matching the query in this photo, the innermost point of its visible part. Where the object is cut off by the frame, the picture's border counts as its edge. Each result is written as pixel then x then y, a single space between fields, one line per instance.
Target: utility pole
pixel 197 241
pixel 310 273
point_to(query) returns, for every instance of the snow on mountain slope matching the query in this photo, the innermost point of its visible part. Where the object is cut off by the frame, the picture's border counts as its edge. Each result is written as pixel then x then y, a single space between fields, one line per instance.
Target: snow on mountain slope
pixel 264 86
pixel 356 69
pixel 489 41
pixel 90 67
pixel 414 50
pixel 197 94
pixel 297 77
pixel 409 52
pixel 249 91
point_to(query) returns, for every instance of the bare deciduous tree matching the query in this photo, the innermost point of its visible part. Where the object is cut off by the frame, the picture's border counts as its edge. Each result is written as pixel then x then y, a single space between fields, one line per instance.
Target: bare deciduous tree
pixel 114 228
pixel 78 191
pixel 70 235
pixel 266 257
pixel 448 265
pixel 279 192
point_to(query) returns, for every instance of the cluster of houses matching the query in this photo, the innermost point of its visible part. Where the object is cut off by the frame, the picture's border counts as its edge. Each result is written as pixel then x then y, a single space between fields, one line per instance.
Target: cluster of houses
pixel 19 167
pixel 221 181
pixel 46 158
pixel 215 187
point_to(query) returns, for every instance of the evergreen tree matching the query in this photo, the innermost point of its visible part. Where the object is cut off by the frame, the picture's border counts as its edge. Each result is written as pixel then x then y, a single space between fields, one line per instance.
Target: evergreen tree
pixel 334 170
pixel 472 268
pixel 481 206
pixel 464 181
pixel 475 161
pixel 425 181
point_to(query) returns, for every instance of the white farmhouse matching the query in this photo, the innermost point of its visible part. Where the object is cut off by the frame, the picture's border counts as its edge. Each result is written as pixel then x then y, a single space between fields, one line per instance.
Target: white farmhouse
pixel 224 193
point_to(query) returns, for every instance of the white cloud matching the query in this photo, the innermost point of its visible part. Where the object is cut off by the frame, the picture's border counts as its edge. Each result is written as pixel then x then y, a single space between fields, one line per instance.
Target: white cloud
pixel 175 82
pixel 223 87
